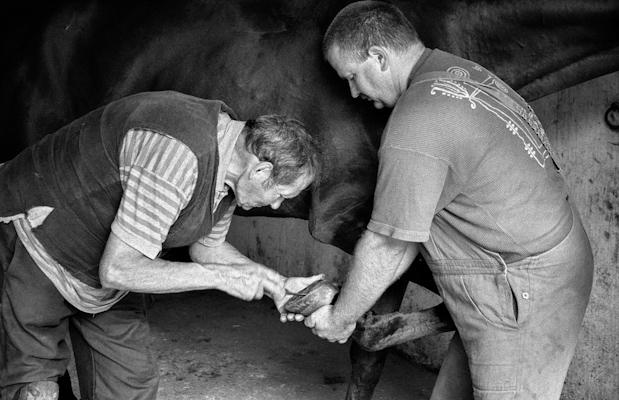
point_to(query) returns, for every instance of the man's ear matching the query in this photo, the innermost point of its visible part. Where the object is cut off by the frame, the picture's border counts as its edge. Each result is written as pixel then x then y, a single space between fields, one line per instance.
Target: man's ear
pixel 380 55
pixel 261 171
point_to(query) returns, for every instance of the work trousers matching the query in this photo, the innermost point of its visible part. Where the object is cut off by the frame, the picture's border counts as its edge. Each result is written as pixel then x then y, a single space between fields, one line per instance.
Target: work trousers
pixel 517 324
pixel 113 358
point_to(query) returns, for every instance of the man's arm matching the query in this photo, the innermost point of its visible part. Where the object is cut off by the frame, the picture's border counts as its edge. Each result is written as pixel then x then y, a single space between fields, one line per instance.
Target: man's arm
pixel 378 261
pixel 122 267
pixel 213 254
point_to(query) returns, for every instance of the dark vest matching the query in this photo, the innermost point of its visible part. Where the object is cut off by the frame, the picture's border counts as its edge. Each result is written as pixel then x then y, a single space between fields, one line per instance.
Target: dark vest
pixel 75 170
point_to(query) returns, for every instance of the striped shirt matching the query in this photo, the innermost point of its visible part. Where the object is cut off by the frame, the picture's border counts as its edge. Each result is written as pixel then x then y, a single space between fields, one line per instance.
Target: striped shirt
pixel 158 175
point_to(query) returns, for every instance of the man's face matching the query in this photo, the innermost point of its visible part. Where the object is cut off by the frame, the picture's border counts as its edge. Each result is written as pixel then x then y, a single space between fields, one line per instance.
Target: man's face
pixel 252 190
pixel 368 79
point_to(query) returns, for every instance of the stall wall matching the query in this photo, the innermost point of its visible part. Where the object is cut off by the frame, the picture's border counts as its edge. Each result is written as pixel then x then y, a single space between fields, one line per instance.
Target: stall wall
pixel 589 156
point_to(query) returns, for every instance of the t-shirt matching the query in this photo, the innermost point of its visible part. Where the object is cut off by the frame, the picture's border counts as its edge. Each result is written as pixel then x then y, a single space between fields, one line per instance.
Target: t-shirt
pixel 463 173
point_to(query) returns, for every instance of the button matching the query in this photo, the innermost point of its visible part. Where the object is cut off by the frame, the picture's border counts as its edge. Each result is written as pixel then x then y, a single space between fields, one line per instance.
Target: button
pixel 525 295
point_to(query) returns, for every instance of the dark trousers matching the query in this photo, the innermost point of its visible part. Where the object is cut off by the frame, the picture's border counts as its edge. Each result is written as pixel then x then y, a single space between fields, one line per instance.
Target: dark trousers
pixel 112 355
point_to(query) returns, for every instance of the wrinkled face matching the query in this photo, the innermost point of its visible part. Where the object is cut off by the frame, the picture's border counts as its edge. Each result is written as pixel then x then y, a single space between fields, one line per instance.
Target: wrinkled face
pixel 252 190
pixel 369 79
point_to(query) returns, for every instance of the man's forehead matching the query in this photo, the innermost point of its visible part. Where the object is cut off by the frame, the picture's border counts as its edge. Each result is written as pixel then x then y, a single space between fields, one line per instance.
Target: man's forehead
pixel 337 58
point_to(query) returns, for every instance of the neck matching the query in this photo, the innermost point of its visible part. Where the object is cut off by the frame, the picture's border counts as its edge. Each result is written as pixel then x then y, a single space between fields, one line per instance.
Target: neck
pixel 405 63
pixel 238 163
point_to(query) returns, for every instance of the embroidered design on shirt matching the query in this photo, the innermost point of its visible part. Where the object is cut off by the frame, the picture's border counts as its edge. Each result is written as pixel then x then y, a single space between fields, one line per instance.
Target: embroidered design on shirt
pixel 527 128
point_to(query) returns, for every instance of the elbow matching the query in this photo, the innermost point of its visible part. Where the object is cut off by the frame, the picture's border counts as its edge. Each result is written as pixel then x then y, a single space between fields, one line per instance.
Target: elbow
pixel 110 276
pixel 195 254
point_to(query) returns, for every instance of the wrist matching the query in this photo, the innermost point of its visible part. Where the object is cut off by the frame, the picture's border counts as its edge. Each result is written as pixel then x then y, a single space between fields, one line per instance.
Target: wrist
pixel 342 316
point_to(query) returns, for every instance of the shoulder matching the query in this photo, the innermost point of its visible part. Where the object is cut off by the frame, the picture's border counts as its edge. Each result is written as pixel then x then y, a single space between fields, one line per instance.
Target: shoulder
pixel 424 108
pixel 158 153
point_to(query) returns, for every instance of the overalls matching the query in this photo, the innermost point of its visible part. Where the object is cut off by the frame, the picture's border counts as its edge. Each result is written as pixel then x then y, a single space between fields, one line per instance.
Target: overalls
pixel 518 322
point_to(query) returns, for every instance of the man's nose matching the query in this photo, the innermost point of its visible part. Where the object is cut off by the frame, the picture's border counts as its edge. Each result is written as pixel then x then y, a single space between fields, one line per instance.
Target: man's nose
pixel 354 92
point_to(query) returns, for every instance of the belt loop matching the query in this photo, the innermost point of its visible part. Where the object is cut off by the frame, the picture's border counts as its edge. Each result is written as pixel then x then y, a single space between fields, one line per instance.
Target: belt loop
pixel 503 264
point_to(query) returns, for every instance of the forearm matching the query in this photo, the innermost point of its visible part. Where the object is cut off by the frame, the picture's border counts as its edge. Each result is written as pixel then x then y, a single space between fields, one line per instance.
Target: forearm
pixel 223 254
pixel 123 267
pixel 378 261
pixel 163 276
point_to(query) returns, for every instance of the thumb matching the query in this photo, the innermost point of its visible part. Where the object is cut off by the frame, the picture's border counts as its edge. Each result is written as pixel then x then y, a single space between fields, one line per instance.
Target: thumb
pixel 314 278
pixel 309 321
pixel 274 289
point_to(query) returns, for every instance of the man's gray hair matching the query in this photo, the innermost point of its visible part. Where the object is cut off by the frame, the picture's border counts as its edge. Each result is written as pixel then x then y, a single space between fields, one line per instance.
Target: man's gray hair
pixel 285 143
pixel 364 24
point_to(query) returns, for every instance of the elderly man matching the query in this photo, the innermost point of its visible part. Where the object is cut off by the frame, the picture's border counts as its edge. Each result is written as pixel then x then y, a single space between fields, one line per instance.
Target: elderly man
pixel 467 177
pixel 88 210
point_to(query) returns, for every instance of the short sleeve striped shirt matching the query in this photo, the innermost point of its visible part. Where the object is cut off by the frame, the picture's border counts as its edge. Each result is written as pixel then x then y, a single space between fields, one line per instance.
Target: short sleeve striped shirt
pixel 158 174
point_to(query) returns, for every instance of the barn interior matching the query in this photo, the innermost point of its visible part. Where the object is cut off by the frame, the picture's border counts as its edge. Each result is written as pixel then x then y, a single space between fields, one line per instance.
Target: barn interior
pixel 67 57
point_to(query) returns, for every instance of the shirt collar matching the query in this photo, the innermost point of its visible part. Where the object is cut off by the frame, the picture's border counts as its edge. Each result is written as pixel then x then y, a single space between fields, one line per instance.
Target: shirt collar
pixel 228 131
pixel 424 56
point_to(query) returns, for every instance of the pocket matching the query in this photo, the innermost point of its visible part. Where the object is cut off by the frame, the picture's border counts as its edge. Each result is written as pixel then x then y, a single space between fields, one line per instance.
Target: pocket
pixel 493 297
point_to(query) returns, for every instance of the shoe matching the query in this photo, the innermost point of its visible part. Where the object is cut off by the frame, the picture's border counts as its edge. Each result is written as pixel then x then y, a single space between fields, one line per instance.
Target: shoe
pixel 41 390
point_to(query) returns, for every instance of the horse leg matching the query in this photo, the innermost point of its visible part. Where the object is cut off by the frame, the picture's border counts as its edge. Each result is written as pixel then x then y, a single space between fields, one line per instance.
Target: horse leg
pixel 367 366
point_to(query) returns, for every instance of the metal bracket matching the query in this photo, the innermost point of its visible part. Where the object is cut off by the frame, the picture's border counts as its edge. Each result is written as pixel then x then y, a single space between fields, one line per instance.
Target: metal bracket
pixel 612 116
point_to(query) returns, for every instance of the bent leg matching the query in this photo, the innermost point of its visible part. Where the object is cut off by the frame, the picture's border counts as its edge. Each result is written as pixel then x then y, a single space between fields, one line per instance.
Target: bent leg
pixel 112 352
pixel 33 324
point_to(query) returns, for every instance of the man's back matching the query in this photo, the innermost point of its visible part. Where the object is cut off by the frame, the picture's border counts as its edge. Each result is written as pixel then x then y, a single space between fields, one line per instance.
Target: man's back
pixel 497 186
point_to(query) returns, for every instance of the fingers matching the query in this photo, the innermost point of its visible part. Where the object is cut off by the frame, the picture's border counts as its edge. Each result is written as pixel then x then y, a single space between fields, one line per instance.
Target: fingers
pixel 323 325
pixel 310 322
pixel 285 317
pixel 295 317
pixel 294 284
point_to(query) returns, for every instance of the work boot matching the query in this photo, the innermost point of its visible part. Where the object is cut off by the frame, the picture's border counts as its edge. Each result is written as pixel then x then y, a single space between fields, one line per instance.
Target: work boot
pixel 41 390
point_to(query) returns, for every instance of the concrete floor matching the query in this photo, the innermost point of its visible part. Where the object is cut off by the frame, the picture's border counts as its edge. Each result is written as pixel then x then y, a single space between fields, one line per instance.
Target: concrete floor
pixel 213 346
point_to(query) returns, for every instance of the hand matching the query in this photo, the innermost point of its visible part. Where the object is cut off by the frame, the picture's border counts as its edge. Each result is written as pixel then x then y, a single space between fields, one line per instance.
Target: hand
pixel 251 282
pixel 326 325
pixel 294 284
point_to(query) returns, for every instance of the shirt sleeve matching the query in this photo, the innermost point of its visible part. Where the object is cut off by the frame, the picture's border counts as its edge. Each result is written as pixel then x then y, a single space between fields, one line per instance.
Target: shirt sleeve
pixel 219 232
pixel 408 190
pixel 158 175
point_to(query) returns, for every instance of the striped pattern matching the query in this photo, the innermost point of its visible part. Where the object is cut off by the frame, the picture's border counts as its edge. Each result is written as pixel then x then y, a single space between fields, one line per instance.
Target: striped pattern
pixel 158 175
pixel 220 230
